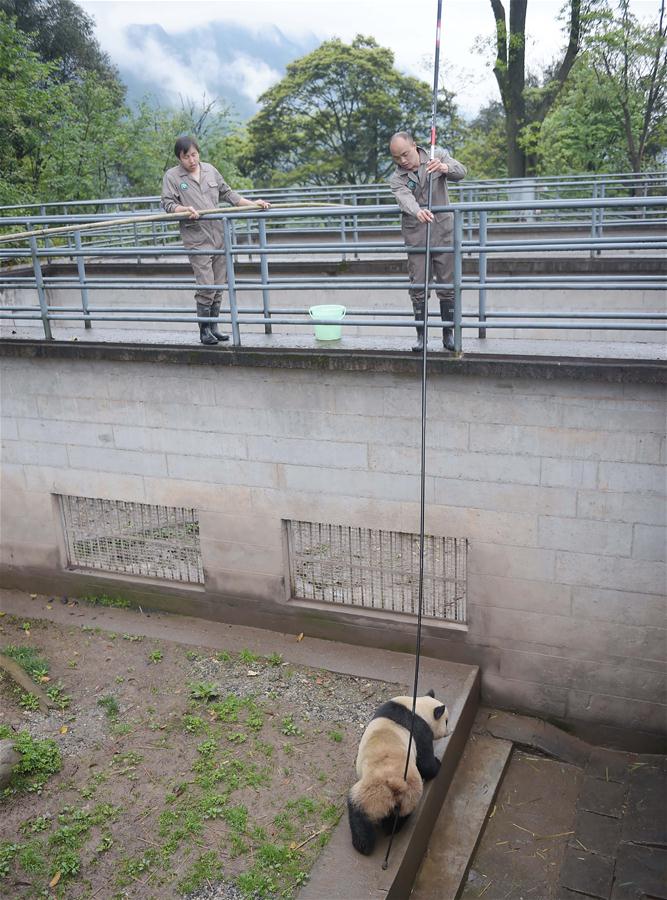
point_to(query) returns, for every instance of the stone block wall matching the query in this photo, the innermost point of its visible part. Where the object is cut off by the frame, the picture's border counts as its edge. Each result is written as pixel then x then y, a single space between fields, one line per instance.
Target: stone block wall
pixel 558 484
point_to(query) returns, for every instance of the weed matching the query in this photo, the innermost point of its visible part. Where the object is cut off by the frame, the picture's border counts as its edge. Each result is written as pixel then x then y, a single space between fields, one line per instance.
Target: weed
pixel 207 748
pixel 156 656
pixel 121 728
pixel 191 655
pixel 56 692
pixel 135 638
pixel 336 736
pixel 134 867
pixel 72 663
pixel 275 659
pixel 204 690
pixel 32 859
pixel 289 728
pixel 193 724
pixel 26 626
pixel 110 706
pixel 119 679
pixel 32 826
pixel 103 600
pixel 213 806
pixel 223 656
pixel 7 853
pixel 29 702
pixel 228 710
pixel 106 843
pixel 248 657
pixel 237 737
pixel 206 868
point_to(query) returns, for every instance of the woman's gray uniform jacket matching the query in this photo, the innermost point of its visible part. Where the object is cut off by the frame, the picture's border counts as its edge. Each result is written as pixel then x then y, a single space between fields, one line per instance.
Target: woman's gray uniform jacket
pixel 179 188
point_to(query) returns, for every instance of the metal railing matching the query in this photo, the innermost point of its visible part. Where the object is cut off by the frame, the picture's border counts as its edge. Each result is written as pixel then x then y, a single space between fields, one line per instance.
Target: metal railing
pixel 644 231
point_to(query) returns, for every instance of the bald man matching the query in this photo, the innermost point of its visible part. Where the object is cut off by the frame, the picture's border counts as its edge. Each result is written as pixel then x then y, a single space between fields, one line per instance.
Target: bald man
pixel 409 184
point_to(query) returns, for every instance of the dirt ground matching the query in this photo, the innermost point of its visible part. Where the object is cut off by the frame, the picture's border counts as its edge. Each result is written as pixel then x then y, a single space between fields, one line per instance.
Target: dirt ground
pixel 185 771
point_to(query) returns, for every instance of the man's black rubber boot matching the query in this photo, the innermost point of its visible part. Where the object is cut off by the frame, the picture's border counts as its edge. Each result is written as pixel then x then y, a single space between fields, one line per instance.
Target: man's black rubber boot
pixel 217 334
pixel 446 314
pixel 206 336
pixel 418 308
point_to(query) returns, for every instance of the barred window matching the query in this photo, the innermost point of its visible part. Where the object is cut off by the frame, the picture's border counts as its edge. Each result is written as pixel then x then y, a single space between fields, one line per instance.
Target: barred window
pixel 132 538
pixel 374 569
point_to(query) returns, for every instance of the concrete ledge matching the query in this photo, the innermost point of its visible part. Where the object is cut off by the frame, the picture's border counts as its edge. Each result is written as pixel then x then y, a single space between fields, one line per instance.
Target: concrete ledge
pixel 338 360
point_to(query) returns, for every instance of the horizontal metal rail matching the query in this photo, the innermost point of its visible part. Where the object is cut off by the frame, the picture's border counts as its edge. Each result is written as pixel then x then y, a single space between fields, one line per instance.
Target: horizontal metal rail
pixel 466 240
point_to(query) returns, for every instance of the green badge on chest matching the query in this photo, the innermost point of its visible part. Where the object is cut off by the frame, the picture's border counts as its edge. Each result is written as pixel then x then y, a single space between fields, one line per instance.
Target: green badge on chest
pixel 183 186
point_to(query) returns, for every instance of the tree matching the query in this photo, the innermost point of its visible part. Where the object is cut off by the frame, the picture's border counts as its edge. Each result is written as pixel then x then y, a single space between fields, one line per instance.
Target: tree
pixel 483 147
pixel 510 73
pixel 61 32
pixel 629 61
pixel 329 120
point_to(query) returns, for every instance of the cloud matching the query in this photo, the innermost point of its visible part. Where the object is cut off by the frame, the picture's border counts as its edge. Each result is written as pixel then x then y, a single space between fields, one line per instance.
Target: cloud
pixel 249 75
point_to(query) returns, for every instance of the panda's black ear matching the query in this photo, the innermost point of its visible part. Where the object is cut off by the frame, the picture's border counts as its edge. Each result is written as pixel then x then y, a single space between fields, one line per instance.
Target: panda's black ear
pixel 430 693
pixel 439 711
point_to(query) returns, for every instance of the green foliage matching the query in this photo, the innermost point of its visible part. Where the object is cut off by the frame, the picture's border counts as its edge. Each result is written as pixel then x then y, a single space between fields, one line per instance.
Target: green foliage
pixel 248 657
pixel 329 120
pixel 204 690
pixel 29 660
pixel 289 727
pixel 110 706
pixel 205 869
pixel 39 760
pixel 104 600
pixel 156 656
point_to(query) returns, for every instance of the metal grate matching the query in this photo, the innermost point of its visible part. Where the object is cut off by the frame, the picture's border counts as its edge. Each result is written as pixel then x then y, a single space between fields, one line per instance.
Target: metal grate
pixel 133 538
pixel 373 569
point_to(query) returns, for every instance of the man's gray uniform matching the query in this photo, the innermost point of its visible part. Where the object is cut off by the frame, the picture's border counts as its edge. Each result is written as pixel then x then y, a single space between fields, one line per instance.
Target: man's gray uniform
pixel 180 188
pixel 411 192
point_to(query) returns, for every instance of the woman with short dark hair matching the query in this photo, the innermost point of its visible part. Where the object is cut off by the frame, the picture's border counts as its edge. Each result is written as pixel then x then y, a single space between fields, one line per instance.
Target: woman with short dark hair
pixel 189 187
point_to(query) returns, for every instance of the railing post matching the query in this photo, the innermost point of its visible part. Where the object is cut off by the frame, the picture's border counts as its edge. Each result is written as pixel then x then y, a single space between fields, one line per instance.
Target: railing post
pixel 600 217
pixel 458 278
pixel 342 234
pixel 39 283
pixel 231 281
pixel 355 225
pixel 81 268
pixel 594 219
pixel 482 271
pixel 264 271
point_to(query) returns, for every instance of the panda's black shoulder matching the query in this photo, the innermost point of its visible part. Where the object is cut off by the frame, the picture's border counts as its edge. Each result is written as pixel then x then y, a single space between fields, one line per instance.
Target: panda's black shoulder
pixel 401 715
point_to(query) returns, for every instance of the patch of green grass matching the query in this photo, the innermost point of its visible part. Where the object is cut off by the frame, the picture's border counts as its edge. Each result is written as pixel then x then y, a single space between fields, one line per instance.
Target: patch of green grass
pixel 248 657
pixel 156 656
pixel 205 869
pixel 275 659
pixel 39 760
pixel 134 867
pixel 110 706
pixel 191 655
pixel 223 656
pixel 275 871
pixel 104 600
pixel 33 860
pixel 135 638
pixel 29 660
pixel 336 736
pixel 121 728
pixel 237 737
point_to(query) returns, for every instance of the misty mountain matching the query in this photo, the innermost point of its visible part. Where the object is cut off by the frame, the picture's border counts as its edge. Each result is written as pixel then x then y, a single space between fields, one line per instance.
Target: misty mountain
pixel 220 59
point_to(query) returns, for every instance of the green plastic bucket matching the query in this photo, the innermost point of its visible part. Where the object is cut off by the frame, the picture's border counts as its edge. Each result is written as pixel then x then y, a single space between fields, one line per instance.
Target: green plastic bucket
pixel 327 332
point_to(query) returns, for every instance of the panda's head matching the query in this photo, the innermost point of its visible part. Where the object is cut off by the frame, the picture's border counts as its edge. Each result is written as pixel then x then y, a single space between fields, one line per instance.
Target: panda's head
pixel 431 710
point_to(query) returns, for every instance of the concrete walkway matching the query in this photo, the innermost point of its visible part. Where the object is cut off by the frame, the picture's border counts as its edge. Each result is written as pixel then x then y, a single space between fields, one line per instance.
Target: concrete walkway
pixel 584 822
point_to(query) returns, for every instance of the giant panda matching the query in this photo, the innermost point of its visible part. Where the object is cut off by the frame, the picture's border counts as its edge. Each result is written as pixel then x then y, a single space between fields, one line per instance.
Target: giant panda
pixel 381 791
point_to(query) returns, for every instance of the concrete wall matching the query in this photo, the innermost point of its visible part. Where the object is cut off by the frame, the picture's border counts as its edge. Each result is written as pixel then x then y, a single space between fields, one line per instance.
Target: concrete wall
pixel 558 484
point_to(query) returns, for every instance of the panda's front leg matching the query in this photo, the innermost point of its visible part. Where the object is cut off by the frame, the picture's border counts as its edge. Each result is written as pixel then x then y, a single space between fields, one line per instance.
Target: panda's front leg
pixel 427 762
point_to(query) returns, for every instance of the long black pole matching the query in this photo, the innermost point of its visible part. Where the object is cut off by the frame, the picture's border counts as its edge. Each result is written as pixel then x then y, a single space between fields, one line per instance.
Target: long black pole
pixel 422 487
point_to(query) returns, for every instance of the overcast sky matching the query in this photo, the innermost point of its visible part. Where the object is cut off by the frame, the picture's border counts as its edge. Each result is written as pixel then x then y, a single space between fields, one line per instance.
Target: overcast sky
pixel 406 26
